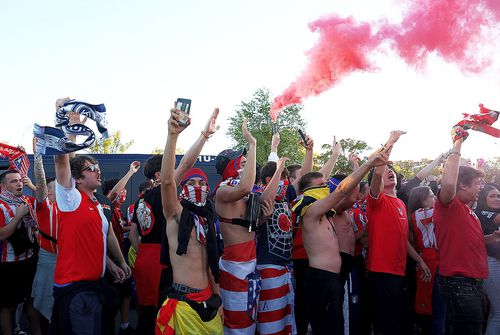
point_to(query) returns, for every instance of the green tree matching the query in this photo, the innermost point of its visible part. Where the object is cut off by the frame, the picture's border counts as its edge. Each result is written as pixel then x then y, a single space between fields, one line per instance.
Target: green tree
pixel 349 145
pixel 111 145
pixel 259 123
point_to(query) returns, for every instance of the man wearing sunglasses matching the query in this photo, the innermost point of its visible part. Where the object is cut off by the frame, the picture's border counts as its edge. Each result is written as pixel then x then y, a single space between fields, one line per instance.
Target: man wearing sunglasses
pixel 83 240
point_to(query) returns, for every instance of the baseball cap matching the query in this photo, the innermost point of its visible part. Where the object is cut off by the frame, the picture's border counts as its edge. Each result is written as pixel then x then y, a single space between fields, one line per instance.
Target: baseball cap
pixel 226 156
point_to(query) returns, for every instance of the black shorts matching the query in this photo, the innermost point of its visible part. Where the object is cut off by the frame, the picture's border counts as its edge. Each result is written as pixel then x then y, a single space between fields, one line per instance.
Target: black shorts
pixel 16 280
pixel 323 291
pixel 386 292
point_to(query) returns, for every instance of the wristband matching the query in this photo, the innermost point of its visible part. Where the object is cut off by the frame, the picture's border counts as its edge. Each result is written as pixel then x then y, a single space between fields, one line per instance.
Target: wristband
pixel 205 135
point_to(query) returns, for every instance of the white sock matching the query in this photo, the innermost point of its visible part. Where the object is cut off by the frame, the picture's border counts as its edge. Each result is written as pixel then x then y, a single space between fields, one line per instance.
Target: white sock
pixel 124 325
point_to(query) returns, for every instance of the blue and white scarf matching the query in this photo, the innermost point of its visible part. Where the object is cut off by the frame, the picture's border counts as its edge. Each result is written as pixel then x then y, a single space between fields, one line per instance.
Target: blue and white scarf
pixel 53 141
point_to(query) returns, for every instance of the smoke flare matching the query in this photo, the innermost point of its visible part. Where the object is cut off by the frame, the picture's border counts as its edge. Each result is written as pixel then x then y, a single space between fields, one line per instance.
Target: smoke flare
pixel 452 29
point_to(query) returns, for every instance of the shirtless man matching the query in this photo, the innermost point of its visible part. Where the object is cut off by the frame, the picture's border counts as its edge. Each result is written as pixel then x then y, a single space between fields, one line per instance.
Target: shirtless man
pixel 323 282
pixel 192 248
pixel 238 275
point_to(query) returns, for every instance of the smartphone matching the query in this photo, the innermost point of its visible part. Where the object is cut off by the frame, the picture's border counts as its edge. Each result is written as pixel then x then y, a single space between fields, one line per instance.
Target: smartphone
pixel 275 128
pixel 184 105
pixel 302 135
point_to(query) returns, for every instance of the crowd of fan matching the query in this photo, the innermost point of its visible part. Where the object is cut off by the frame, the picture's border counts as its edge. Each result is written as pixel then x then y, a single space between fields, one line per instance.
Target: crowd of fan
pixel 271 250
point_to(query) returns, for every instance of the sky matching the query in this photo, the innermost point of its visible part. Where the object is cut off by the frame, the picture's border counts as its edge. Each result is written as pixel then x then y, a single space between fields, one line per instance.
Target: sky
pixel 137 57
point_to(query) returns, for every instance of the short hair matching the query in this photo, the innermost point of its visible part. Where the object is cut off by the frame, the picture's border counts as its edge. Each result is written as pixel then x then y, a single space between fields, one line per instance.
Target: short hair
pixel 152 165
pixel 372 171
pixel 467 174
pixel 4 175
pixel 268 170
pixel 108 185
pixel 362 186
pixel 482 205
pixel 292 169
pixel 49 180
pixel 305 180
pixel 143 186
pixel 77 164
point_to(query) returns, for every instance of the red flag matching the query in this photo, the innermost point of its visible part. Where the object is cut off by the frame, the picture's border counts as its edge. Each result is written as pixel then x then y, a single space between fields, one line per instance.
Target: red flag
pixel 17 157
pixel 481 122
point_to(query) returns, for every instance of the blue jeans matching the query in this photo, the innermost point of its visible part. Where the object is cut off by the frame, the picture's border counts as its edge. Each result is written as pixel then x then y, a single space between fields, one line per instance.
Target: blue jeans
pixel 464 300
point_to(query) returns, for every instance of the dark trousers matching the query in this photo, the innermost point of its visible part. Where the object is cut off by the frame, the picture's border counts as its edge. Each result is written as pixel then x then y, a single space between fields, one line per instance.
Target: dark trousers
pixel 300 267
pixel 464 299
pixel 85 313
pixel 323 291
pixel 438 309
pixel 386 302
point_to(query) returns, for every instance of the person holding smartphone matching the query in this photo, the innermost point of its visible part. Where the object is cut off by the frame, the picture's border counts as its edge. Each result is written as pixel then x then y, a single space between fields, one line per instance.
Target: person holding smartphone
pixel 192 303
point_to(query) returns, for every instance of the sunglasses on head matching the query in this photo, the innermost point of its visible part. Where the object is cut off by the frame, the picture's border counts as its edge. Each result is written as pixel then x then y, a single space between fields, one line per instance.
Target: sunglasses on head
pixel 92 168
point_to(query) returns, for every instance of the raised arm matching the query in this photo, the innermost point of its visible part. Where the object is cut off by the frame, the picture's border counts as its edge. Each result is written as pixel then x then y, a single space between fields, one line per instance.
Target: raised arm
pixel 192 154
pixel 63 170
pixel 377 184
pixel 120 185
pixel 327 168
pixel 426 171
pixel 307 165
pixel 41 188
pixel 231 194
pixel 272 187
pixel 450 170
pixel 354 159
pixel 320 207
pixel 170 203
pixel 275 142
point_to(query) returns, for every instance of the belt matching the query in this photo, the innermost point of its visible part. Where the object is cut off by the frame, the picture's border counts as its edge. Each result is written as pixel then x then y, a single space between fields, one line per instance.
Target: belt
pixel 184 288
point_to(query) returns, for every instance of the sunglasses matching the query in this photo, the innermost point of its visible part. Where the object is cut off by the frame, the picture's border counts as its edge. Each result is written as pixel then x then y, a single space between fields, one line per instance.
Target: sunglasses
pixel 92 168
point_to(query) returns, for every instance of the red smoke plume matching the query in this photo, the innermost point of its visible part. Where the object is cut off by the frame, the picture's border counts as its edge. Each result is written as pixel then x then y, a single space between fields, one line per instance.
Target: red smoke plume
pixel 449 28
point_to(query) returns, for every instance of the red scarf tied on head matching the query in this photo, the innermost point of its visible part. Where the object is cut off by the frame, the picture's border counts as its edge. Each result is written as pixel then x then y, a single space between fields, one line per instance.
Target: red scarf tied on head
pixel 231 170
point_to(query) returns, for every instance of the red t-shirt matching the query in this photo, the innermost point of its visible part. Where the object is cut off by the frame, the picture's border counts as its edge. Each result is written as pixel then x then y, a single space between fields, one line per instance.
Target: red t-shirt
pixel 47 217
pixel 387 235
pixel 82 233
pixel 462 251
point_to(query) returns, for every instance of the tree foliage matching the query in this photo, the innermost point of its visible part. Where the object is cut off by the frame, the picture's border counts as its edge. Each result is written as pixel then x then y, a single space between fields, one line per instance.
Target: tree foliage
pixel 349 145
pixel 111 145
pixel 256 110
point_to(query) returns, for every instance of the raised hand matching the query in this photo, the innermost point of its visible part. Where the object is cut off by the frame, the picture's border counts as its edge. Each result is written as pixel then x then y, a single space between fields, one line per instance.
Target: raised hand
pixel 135 166
pixel 380 156
pixel 60 102
pixel 246 133
pixel 280 166
pixel 458 133
pixel 211 126
pixel 336 147
pixel 275 142
pixel 173 122
pixel 75 118
pixel 309 143
pixel 394 136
